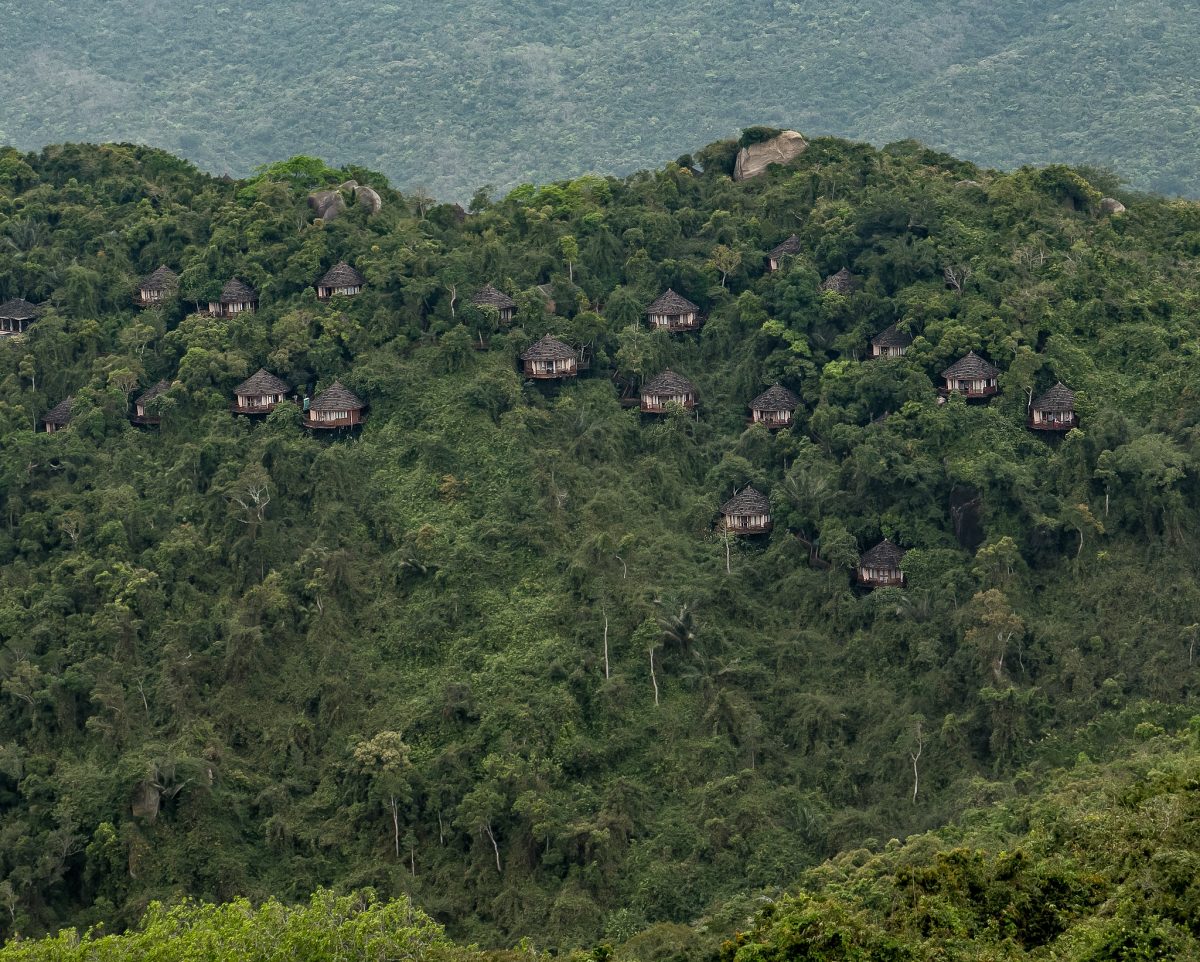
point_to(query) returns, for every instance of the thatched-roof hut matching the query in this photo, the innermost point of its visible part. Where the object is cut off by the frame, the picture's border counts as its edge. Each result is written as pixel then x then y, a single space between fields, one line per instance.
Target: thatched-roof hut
pixel 747 512
pixel 659 393
pixel 880 567
pixel 259 393
pixel 157 286
pixel 841 283
pixel 549 358
pixel 774 407
pixel 16 315
pixel 340 279
pixel 789 248
pixel 236 298
pixel 145 411
pixel 972 377
pixel 488 297
pixel 1054 410
pixel 891 342
pixel 336 407
pixel 673 312
pixel 59 416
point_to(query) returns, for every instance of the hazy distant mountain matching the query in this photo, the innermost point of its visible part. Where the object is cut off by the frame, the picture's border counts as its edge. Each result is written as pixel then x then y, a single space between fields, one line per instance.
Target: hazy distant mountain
pixel 452 94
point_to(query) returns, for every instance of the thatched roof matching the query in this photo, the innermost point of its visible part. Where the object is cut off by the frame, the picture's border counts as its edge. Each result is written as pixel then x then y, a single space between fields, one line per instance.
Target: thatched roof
pixel 235 292
pixel 775 398
pixel 548 349
pixel 60 414
pixel 671 303
pixel 262 382
pixel 342 275
pixel 842 282
pixel 747 501
pixel 971 366
pixel 162 279
pixel 892 337
pixel 668 382
pixel 883 555
pixel 789 246
pixel 159 388
pixel 18 309
pixel 488 296
pixel 336 398
pixel 1059 398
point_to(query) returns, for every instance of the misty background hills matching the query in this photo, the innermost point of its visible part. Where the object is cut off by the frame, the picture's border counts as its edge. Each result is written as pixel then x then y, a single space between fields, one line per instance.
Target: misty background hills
pixel 448 96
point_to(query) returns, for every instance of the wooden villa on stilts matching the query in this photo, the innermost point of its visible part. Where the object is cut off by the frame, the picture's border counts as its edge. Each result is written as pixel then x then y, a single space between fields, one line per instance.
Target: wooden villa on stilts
pixel 1054 410
pixel 145 411
pixel 341 279
pixel 336 407
pixel 16 316
pixel 747 512
pixel 891 342
pixel 880 567
pixel 59 416
pixel 774 407
pixel 549 359
pixel 789 248
pixel 658 394
pixel 259 394
pixel 972 377
pixel 488 297
pixel 673 312
pixel 157 287
pixel 236 298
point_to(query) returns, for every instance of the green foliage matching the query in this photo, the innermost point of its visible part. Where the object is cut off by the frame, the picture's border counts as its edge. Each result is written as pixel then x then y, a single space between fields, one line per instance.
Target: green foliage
pixel 490 653
pixel 559 89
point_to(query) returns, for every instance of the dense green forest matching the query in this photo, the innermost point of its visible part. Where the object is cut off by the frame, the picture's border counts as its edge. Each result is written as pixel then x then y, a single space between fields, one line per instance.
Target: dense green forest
pixel 489 652
pixel 451 95
pixel 1099 864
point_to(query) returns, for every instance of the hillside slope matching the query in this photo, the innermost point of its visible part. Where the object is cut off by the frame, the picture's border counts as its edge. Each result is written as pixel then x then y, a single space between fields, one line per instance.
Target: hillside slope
pixel 453 95
pixel 490 650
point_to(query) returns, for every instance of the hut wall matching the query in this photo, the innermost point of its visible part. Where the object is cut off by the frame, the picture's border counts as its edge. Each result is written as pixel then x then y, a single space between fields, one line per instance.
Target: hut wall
pixel 773 418
pixel 674 321
pixel 555 368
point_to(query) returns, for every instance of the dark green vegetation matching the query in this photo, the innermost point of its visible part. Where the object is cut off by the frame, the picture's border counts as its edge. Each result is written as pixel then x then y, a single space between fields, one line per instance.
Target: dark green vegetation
pixel 1100 865
pixel 380 660
pixel 450 95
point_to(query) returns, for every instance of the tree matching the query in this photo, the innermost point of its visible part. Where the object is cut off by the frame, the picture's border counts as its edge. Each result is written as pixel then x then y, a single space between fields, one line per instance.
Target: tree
pixel 385 762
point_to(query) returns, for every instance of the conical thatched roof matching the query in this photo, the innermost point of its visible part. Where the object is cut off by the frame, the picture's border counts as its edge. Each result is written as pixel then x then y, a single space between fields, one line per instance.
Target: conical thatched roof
pixel 342 275
pixel 488 296
pixel 547 349
pixel 842 282
pixel 60 414
pixel 775 398
pixel 667 383
pixel 262 382
pixel 971 366
pixel 162 279
pixel 1059 398
pixel 747 501
pixel 149 395
pixel 18 309
pixel 789 246
pixel 892 337
pixel 235 292
pixel 336 398
pixel 883 555
pixel 671 303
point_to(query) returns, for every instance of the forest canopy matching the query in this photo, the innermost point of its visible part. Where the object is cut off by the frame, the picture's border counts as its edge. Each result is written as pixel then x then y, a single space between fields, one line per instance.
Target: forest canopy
pixel 448 96
pixel 491 650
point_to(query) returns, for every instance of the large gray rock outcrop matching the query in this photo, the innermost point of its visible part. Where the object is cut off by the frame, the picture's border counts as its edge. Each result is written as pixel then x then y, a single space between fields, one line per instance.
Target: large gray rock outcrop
pixel 327 204
pixel 368 199
pixel 753 160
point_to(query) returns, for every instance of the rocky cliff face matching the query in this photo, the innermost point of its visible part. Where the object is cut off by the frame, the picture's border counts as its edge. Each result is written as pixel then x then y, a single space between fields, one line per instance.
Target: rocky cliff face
pixel 753 160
